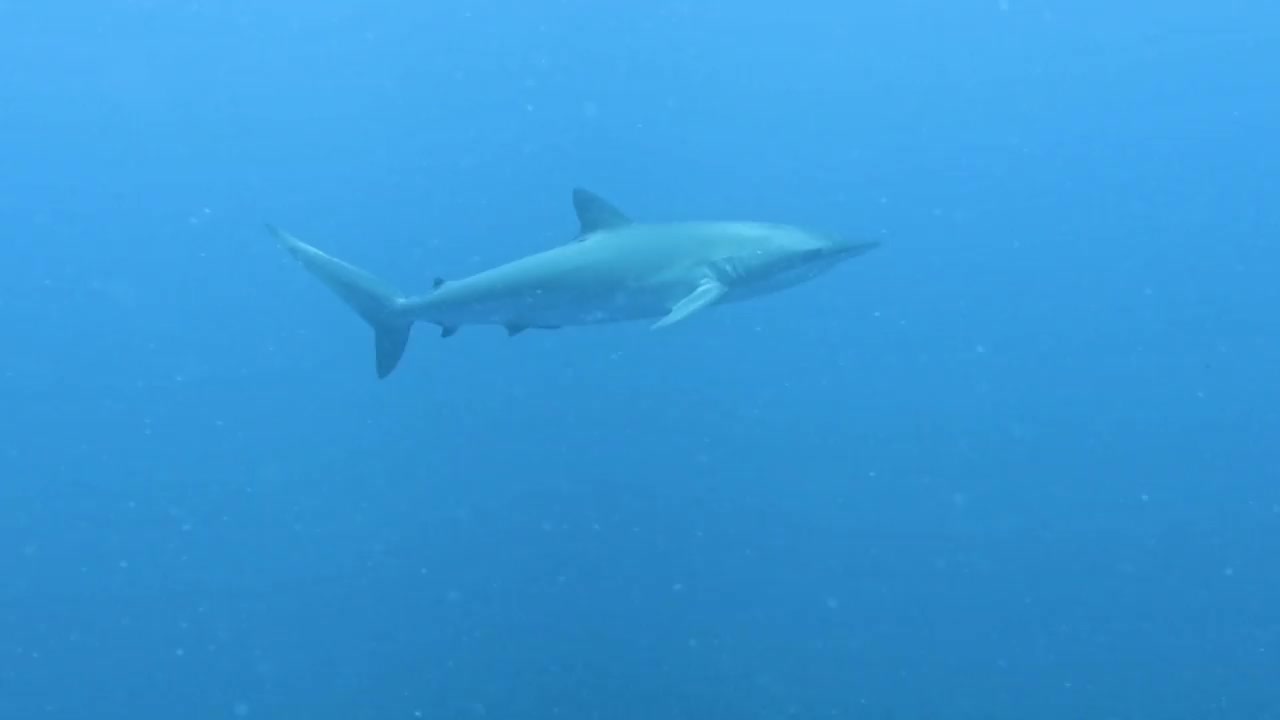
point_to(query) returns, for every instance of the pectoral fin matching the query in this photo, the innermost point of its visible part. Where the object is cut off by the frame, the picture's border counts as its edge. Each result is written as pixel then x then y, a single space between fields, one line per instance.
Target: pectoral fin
pixel 707 294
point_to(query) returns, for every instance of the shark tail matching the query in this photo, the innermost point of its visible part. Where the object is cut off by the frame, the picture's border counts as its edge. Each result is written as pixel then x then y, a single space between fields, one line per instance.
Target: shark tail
pixel 374 300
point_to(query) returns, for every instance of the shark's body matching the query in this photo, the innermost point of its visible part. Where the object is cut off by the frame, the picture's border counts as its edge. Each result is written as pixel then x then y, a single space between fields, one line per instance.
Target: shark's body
pixel 616 270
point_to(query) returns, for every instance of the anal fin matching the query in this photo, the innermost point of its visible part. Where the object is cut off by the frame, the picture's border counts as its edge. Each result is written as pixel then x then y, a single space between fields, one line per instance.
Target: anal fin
pixel 514 329
pixel 705 295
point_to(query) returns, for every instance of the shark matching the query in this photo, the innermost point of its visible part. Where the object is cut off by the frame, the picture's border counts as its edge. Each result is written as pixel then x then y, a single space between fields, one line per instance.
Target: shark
pixel 614 270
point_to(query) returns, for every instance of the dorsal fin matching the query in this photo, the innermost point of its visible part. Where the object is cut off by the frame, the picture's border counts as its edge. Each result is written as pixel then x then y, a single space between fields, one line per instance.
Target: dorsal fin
pixel 596 213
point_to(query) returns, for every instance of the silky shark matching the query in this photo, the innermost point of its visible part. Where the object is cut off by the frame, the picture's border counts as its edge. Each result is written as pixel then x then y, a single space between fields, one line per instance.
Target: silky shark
pixel 614 270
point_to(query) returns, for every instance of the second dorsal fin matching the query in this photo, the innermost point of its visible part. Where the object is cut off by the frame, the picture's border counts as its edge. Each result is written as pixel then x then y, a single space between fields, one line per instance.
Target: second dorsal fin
pixel 595 213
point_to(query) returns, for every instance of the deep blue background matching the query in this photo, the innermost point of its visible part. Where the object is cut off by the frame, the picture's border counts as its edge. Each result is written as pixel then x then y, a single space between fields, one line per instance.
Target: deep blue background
pixel 1020 462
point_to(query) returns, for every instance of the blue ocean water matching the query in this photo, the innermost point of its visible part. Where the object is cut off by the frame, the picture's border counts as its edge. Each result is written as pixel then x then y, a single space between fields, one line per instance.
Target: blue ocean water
pixel 1019 462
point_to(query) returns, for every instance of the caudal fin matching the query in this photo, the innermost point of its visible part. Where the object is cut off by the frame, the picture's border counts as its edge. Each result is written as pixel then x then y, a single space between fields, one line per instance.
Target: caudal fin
pixel 374 300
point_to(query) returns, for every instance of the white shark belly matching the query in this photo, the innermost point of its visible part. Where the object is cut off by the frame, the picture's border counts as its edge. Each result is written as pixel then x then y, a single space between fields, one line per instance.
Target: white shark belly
pixel 549 307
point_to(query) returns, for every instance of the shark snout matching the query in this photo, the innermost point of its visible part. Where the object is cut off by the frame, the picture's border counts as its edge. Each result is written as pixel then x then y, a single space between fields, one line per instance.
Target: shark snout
pixel 852 249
